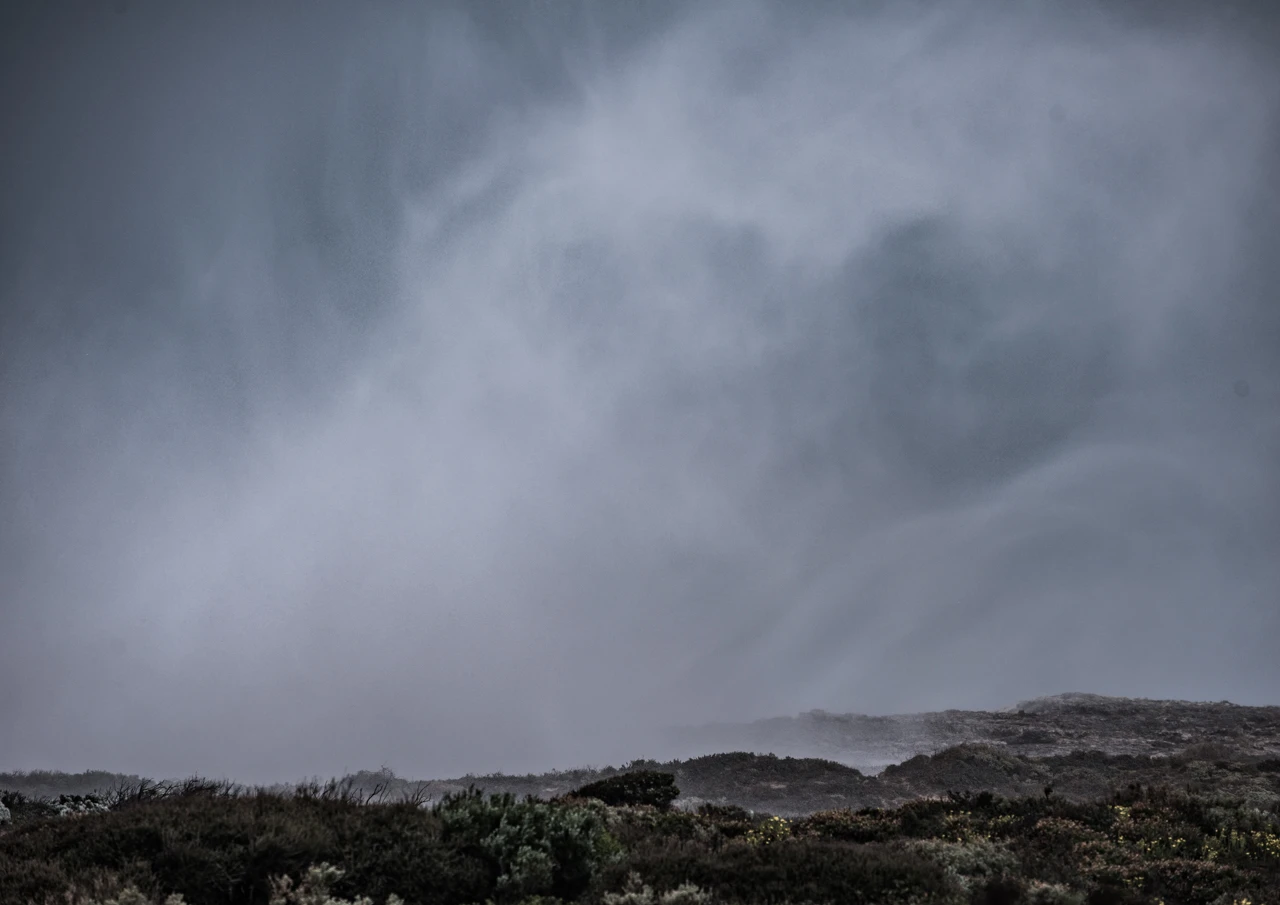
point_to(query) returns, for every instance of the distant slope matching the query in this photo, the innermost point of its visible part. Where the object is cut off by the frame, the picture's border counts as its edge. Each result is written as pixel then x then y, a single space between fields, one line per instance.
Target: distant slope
pixel 1081 745
pixel 1047 726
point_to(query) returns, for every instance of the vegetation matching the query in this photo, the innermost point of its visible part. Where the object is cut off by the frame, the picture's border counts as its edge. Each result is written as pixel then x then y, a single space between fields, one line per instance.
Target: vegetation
pixel 637 787
pixel 619 842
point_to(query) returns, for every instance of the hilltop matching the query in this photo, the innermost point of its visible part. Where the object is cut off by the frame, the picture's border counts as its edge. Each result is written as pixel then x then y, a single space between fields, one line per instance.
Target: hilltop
pixel 1081 745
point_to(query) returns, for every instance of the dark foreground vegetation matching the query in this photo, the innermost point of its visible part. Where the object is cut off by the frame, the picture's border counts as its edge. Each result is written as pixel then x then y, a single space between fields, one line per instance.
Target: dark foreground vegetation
pixel 618 841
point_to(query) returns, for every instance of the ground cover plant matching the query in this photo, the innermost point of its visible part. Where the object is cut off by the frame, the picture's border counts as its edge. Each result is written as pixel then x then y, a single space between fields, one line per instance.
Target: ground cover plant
pixel 620 842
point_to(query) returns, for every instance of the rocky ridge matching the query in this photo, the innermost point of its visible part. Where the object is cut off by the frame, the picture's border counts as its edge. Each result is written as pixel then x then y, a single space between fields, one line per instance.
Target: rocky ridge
pixel 1076 746
pixel 1080 746
pixel 1042 727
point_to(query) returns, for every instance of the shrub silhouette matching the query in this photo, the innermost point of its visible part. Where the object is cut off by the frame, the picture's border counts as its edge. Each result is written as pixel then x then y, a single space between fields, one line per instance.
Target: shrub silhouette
pixel 635 788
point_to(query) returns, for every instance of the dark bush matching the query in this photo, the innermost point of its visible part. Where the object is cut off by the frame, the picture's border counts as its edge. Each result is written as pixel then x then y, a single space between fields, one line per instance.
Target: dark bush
pixel 22 807
pixel 1192 881
pixel 866 825
pixel 225 851
pixel 1116 895
pixel 37 882
pixel 634 788
pixel 723 811
pixel 789 871
pixel 1173 846
pixel 999 891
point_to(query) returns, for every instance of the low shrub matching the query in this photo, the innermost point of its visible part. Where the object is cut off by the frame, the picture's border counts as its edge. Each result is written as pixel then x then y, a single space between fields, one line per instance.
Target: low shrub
pixel 637 787
pixel 1141 845
pixel 637 893
pixel 723 811
pixel 535 848
pixel 970 863
pixel 867 825
pixel 788 871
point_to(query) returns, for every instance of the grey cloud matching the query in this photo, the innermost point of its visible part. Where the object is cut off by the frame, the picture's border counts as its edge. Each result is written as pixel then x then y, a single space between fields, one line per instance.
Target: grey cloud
pixel 467 389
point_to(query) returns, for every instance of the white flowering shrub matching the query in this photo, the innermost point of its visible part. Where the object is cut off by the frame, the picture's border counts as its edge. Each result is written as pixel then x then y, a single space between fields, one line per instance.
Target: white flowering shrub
pixel 76 805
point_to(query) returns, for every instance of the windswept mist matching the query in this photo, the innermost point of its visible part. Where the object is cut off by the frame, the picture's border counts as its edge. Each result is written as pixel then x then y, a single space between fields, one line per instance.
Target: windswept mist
pixel 485 387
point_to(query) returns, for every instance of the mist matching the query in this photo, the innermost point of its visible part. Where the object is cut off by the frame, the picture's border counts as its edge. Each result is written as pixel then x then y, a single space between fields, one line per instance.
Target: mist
pixel 490 386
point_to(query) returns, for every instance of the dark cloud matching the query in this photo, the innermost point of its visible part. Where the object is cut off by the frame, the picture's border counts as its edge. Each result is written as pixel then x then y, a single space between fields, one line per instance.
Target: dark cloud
pixel 485 386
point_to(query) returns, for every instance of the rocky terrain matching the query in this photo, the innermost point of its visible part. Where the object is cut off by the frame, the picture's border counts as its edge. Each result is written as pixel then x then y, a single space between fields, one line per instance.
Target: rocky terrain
pixel 1081 746
pixel 1043 727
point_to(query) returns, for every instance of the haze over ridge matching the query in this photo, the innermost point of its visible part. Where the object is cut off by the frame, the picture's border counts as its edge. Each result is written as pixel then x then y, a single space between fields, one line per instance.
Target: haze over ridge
pixel 471 388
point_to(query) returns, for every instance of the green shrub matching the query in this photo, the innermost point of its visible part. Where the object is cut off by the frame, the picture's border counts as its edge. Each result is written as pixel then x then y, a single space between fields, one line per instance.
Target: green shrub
pixel 219 850
pixel 635 824
pixel 970 863
pixel 1038 892
pixel 812 870
pixel 536 848
pixel 1193 881
pixel 314 890
pixel 769 831
pixel 723 811
pixel 201 847
pixel 637 893
pixel 868 825
pixel 131 895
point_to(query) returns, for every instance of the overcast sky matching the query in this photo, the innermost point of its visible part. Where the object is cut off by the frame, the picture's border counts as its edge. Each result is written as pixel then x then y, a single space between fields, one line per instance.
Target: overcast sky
pixel 481 387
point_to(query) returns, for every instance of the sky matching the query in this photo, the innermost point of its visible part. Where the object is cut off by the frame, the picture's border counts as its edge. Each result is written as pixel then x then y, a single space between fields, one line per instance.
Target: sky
pixel 485 387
